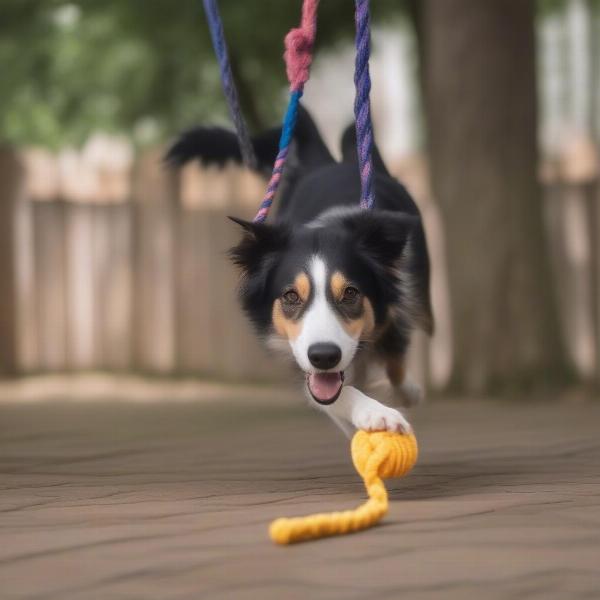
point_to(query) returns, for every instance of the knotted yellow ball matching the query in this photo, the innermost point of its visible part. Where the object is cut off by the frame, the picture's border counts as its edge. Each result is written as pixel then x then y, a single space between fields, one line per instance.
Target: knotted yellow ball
pixel 376 455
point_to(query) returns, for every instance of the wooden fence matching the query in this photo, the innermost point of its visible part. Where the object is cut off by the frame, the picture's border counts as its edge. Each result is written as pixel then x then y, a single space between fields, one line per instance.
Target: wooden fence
pixel 122 267
pixel 134 282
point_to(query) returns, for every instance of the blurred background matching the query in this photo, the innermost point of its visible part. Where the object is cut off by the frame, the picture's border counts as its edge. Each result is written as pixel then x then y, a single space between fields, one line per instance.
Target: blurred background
pixel 488 111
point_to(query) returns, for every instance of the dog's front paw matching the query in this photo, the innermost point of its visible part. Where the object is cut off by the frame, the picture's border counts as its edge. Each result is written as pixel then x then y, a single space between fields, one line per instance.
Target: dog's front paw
pixel 380 418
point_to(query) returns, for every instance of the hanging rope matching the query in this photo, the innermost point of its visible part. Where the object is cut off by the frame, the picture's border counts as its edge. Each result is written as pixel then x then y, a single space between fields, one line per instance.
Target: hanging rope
pixel 362 103
pixel 299 44
pixel 215 26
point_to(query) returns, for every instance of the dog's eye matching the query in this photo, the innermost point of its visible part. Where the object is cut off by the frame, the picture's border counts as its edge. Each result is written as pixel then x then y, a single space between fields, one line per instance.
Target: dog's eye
pixel 291 297
pixel 350 295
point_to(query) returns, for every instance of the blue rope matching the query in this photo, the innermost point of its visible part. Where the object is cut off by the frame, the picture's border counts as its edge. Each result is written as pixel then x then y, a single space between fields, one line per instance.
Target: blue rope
pixel 218 39
pixel 287 133
pixel 289 121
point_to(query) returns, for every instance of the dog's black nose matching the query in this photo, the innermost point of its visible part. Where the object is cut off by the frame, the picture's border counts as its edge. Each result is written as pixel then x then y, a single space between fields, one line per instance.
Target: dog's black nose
pixel 324 355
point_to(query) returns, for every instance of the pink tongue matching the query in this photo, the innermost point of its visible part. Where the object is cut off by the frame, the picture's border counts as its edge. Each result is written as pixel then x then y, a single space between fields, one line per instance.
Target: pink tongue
pixel 324 386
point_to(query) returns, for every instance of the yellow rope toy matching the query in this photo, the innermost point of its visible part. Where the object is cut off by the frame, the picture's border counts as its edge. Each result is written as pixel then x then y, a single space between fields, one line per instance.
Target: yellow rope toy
pixel 376 455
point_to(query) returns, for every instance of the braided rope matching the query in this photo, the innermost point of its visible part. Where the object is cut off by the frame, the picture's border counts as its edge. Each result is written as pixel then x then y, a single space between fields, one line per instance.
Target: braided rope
pixel 299 44
pixel 376 455
pixel 362 104
pixel 218 39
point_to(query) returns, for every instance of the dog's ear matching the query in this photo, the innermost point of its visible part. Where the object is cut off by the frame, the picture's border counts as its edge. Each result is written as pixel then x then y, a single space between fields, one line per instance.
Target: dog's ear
pixel 382 238
pixel 260 241
pixel 382 235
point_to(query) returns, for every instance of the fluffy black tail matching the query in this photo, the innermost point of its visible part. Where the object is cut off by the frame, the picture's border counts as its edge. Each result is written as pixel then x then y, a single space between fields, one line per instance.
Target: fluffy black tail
pixel 217 146
pixel 349 154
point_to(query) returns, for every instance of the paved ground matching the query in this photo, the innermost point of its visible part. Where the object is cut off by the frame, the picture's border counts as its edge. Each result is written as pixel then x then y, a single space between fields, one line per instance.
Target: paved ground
pixel 169 500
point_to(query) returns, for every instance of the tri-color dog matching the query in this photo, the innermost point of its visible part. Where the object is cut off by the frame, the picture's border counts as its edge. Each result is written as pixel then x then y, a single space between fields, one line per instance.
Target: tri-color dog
pixel 334 286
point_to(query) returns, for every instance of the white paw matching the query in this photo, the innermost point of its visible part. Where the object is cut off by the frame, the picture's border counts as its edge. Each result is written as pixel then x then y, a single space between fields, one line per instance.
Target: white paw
pixel 381 418
pixel 409 393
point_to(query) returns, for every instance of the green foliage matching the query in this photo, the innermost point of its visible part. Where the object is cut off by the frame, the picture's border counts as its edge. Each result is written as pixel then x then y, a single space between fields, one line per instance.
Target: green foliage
pixel 549 6
pixel 144 67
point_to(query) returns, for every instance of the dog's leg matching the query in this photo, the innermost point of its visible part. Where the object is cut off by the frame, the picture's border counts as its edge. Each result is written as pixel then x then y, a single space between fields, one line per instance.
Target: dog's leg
pixel 405 391
pixel 357 374
pixel 353 409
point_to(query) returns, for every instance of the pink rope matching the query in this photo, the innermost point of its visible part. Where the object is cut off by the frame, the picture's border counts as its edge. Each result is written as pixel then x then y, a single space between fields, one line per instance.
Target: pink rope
pixel 299 44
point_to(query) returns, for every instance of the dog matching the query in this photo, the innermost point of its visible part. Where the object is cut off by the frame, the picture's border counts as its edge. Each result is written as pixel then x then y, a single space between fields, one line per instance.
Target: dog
pixel 335 287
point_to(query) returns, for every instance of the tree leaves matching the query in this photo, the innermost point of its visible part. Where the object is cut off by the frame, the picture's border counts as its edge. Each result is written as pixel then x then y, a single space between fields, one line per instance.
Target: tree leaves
pixel 143 67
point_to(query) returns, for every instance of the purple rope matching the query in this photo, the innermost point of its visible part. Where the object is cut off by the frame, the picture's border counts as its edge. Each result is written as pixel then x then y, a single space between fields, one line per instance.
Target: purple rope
pixel 362 104
pixel 215 26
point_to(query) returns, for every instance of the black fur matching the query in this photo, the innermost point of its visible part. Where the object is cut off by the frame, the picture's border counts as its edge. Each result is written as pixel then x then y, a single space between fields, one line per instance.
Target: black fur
pixel 216 145
pixel 384 250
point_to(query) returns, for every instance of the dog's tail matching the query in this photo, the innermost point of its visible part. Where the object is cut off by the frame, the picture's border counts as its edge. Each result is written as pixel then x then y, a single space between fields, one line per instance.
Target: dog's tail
pixel 348 145
pixel 217 146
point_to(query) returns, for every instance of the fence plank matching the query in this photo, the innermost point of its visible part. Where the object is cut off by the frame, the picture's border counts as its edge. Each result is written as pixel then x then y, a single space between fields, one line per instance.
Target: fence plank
pixel 49 227
pixel 101 269
pixel 567 212
pixel 595 236
pixel 192 314
pixel 215 288
pixel 82 293
pixel 116 281
pixel 435 362
pixel 578 309
pixel 155 195
pixel 26 317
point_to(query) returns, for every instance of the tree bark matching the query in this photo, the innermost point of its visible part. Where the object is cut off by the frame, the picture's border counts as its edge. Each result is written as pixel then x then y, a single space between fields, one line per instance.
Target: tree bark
pixel 10 185
pixel 480 94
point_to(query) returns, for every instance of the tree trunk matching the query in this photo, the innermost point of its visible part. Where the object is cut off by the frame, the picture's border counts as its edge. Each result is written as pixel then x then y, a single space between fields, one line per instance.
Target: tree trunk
pixel 10 185
pixel 480 96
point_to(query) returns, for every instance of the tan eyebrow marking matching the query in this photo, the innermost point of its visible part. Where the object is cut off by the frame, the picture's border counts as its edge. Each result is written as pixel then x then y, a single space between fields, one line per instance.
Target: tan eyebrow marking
pixel 302 285
pixel 338 283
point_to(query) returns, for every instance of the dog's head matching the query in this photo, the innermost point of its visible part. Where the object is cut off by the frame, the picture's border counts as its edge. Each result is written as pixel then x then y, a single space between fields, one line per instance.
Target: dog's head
pixel 325 289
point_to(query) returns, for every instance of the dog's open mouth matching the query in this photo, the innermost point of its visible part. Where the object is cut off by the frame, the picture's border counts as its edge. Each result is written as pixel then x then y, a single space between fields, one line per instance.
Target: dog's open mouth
pixel 325 387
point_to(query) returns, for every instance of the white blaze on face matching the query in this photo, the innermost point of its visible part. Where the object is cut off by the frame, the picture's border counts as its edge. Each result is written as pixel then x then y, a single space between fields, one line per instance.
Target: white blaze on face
pixel 321 324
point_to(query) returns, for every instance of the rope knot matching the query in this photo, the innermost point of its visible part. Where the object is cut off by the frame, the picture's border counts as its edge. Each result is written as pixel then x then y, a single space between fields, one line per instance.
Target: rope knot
pixel 298 56
pixel 383 454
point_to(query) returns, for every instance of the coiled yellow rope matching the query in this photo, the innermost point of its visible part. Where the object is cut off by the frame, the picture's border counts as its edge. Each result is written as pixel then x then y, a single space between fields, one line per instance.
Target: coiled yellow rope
pixel 376 455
